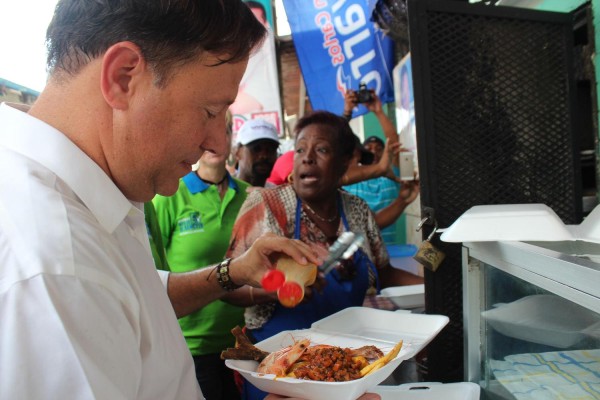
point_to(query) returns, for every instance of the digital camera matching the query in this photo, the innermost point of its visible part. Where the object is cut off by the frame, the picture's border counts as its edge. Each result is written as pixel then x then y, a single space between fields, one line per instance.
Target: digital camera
pixel 364 95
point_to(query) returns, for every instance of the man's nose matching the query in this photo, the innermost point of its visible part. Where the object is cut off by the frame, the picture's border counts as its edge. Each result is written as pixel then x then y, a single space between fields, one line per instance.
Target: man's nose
pixel 216 139
pixel 264 152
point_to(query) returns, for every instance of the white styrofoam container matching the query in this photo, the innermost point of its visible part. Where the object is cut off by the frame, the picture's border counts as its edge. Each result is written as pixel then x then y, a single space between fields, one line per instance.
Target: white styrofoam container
pixel 544 319
pixel 519 222
pixel 409 296
pixel 507 222
pixel 353 327
pixel 429 391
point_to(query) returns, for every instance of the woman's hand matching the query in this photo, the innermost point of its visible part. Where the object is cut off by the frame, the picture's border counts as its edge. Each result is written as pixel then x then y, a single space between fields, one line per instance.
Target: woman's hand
pixel 318 286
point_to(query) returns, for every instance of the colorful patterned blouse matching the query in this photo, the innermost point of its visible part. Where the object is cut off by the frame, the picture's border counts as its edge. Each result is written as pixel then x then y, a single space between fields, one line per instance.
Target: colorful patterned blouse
pixel 274 210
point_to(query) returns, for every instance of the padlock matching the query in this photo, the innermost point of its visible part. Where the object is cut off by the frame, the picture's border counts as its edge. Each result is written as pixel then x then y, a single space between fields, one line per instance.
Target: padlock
pixel 428 255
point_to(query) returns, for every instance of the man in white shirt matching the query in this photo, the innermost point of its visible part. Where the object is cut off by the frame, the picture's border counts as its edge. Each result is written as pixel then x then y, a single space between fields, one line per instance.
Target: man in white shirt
pixel 137 91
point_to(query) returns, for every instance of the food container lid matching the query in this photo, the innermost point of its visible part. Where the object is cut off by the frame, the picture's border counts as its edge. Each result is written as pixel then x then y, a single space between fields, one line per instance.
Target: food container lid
pixel 519 222
pixel 408 296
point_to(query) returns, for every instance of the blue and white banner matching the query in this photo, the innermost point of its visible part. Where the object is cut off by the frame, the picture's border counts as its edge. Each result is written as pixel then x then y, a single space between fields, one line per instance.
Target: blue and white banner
pixel 338 47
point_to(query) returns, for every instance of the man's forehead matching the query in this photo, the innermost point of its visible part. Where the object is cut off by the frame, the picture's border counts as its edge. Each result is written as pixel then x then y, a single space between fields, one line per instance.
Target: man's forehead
pixel 210 64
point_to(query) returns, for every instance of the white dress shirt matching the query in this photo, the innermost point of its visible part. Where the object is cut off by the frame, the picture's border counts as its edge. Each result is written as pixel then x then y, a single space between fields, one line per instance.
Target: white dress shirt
pixel 83 313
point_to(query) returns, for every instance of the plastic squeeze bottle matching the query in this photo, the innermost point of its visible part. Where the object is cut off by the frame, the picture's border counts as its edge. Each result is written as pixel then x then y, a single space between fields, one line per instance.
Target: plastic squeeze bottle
pixel 289 280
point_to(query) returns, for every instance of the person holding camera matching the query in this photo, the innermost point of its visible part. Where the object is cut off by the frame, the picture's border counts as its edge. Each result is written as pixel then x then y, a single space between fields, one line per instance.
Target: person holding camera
pixel 385 195
pixel 353 98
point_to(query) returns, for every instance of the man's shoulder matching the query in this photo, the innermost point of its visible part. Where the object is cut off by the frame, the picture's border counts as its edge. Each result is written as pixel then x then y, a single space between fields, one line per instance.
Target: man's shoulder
pixel 35 224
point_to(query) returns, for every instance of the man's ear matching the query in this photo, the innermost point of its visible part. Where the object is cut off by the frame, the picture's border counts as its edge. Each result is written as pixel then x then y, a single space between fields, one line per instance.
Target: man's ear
pixel 237 152
pixel 122 67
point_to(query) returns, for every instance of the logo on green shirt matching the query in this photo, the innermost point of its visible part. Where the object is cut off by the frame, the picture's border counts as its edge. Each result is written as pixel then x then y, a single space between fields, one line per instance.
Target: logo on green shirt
pixel 190 224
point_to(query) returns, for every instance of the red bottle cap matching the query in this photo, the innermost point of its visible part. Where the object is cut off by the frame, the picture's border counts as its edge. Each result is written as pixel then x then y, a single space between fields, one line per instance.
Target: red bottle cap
pixel 272 280
pixel 290 294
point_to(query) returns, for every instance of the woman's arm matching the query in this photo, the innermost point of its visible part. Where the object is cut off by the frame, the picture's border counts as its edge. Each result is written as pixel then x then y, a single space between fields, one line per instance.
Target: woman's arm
pixel 248 296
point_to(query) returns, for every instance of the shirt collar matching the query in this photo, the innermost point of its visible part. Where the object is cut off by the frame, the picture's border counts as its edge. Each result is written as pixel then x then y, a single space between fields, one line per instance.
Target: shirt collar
pixel 197 185
pixel 39 141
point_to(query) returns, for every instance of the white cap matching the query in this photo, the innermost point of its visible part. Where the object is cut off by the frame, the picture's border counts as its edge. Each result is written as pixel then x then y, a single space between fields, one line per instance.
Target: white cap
pixel 256 129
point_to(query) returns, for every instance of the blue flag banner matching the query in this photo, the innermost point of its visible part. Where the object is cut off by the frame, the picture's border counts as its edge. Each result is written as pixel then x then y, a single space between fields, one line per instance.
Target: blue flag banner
pixel 338 47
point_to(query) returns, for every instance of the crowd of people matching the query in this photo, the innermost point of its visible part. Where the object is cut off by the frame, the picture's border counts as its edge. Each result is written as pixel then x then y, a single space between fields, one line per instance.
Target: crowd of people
pixel 125 240
pixel 307 197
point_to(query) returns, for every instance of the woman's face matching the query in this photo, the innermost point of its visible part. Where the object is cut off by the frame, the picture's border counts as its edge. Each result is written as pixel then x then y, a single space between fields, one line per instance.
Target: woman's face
pixel 318 166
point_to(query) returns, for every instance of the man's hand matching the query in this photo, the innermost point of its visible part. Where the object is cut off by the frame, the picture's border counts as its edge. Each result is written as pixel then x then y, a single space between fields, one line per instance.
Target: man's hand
pixel 350 101
pixel 250 267
pixel 389 158
pixel 374 105
pixel 409 190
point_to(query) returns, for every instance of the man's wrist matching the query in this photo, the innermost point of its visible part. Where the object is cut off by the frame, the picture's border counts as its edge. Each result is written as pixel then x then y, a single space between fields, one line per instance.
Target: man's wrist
pixel 237 272
pixel 223 277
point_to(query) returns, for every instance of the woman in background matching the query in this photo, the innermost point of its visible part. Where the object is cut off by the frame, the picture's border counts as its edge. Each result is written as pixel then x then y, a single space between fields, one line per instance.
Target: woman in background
pixel 313 209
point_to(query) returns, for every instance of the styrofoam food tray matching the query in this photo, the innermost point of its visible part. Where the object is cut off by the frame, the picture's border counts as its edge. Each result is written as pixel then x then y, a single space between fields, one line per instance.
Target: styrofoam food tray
pixel 429 391
pixel 410 296
pixel 544 319
pixel 507 222
pixel 353 327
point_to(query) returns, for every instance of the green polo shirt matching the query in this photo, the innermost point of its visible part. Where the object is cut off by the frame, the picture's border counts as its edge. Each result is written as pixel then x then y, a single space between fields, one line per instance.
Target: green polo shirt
pixel 156 244
pixel 195 226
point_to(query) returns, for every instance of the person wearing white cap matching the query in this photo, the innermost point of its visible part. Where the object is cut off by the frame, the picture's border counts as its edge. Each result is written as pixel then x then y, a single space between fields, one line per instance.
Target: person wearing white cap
pixel 256 151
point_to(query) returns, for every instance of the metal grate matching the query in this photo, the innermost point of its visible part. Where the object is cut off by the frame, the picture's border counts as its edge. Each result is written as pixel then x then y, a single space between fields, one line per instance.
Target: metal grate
pixel 496 124
pixel 501 116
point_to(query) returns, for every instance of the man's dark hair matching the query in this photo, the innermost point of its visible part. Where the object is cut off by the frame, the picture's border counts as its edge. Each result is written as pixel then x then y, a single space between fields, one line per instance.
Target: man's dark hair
pixel 338 127
pixel 366 157
pixel 374 139
pixel 170 33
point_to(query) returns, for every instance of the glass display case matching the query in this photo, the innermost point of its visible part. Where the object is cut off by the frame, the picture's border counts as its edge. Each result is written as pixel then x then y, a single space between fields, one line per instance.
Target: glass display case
pixel 532 319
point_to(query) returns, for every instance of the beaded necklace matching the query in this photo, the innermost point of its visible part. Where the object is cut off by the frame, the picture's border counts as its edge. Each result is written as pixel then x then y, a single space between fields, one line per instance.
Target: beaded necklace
pixel 318 216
